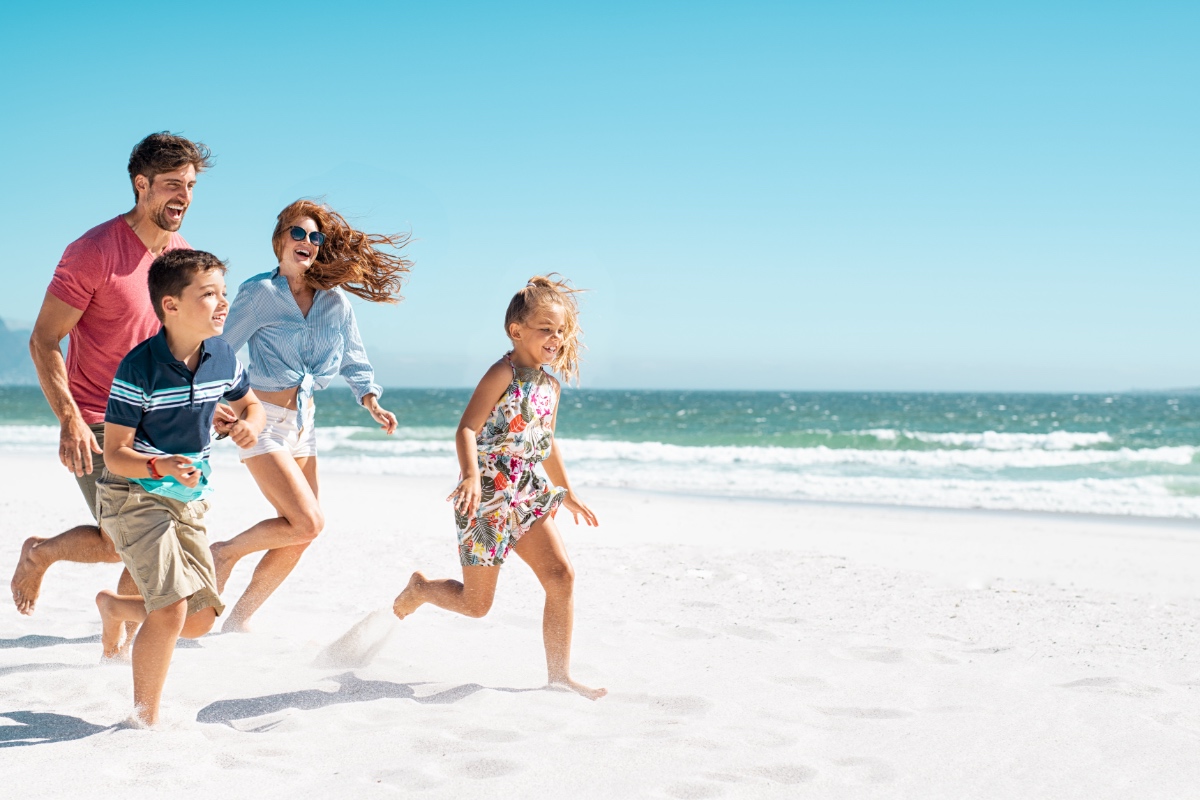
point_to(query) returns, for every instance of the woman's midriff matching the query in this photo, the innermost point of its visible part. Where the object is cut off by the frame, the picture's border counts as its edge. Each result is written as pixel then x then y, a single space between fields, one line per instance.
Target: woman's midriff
pixel 284 399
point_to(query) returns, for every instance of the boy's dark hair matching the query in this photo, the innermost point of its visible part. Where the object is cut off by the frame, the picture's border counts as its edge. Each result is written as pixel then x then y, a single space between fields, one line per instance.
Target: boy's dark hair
pixel 164 152
pixel 173 271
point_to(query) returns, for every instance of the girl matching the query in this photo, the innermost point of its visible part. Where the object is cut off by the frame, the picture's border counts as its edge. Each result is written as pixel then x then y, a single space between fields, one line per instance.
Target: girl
pixel 301 332
pixel 501 504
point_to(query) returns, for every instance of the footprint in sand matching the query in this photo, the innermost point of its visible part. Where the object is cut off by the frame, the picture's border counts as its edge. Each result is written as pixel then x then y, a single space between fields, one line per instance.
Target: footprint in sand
pixel 694 791
pixel 789 774
pixel 865 713
pixel 490 735
pixel 483 768
pixel 802 681
pixel 869 770
pixel 1119 686
pixel 746 632
pixel 881 655
pixel 682 704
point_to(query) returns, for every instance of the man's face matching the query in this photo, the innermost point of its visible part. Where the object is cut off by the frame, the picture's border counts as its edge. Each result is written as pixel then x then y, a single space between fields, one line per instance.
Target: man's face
pixel 201 308
pixel 168 197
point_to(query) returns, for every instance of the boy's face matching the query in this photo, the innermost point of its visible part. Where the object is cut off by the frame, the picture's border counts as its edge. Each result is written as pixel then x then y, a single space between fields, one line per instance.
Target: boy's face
pixel 201 308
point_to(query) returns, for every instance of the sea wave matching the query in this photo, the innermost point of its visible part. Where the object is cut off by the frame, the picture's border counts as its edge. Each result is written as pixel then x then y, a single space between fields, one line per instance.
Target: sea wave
pixel 995 440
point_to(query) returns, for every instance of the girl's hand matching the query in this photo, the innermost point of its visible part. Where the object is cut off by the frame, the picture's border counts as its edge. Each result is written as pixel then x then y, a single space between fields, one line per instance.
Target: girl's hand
pixel 385 418
pixel 180 468
pixel 466 496
pixel 578 508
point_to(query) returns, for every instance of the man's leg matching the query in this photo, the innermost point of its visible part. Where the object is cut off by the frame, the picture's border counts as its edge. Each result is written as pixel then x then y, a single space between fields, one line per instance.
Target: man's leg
pixel 85 544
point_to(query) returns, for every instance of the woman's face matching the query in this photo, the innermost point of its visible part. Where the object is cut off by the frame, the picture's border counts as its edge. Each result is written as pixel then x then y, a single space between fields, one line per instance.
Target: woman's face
pixel 298 256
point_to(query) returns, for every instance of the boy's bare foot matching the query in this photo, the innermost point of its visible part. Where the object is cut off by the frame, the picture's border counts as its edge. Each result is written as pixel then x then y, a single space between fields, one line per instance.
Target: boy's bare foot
pixel 223 562
pixel 27 578
pixel 111 625
pixel 410 599
pixel 566 684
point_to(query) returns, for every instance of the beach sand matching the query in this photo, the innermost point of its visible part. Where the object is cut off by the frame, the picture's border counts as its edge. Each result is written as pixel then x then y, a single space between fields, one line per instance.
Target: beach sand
pixel 751 649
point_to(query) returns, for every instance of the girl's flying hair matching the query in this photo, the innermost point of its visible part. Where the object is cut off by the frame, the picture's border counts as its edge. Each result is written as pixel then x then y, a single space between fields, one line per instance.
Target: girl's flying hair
pixel 349 258
pixel 545 290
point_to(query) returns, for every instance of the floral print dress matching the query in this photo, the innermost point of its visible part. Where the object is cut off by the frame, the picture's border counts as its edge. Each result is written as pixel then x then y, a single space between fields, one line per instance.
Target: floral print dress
pixel 514 439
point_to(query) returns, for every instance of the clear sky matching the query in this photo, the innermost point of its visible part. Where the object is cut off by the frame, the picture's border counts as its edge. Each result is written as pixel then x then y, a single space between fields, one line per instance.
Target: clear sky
pixel 940 196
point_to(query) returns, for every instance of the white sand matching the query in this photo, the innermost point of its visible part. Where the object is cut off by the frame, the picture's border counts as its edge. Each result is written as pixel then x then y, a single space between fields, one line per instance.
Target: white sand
pixel 751 650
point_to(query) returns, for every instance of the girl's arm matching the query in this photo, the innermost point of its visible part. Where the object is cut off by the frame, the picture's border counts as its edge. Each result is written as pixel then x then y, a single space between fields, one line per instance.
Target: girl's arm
pixel 556 470
pixel 489 391
pixel 121 459
pixel 358 373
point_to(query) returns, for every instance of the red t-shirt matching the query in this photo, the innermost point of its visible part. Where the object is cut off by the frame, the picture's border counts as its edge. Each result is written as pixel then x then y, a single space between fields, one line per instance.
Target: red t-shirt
pixel 103 274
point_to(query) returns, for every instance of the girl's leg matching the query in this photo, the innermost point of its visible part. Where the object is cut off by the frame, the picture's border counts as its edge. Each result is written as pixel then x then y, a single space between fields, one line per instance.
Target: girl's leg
pixel 472 597
pixel 290 485
pixel 543 550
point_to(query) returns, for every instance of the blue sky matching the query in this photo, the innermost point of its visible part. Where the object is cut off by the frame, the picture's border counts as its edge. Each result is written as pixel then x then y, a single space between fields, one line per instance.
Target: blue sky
pixel 915 196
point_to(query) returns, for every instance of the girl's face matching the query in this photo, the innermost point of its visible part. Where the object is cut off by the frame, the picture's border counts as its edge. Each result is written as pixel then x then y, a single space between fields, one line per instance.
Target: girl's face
pixel 298 256
pixel 537 338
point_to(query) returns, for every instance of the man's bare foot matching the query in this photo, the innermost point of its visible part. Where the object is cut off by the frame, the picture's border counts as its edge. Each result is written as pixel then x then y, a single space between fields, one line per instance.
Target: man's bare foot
pixel 566 684
pixel 224 562
pixel 410 599
pixel 111 625
pixel 27 578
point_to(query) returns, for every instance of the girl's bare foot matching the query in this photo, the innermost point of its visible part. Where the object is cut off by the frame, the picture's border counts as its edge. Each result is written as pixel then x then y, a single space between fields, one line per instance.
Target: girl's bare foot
pixel 27 578
pixel 410 599
pixel 566 684
pixel 223 562
pixel 111 625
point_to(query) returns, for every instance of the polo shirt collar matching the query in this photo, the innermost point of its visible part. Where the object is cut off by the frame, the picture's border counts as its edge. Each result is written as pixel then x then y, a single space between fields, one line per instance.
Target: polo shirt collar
pixel 162 353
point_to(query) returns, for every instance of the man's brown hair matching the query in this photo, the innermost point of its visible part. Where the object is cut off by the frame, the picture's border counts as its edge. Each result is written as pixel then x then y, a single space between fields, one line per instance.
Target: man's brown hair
pixel 165 152
pixel 174 270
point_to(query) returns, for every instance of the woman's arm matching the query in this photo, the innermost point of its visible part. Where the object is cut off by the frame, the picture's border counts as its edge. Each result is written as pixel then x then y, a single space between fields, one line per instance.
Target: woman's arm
pixel 358 373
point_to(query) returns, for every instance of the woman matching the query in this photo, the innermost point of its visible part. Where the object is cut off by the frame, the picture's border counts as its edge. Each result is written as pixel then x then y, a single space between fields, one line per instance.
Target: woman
pixel 301 332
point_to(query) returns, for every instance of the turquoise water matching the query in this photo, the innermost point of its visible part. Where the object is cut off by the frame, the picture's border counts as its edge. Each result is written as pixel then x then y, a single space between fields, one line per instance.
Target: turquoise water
pixel 1129 454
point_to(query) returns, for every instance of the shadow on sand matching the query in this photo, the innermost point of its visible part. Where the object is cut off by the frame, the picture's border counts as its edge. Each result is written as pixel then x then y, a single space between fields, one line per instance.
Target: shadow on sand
pixel 351 689
pixel 30 642
pixel 33 727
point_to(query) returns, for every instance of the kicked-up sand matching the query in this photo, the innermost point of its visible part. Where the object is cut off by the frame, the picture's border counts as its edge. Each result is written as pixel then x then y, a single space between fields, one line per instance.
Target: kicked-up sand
pixel 750 649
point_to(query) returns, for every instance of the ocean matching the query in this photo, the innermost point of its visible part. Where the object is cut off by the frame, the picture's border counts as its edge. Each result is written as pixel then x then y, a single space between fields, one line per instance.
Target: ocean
pixel 1132 454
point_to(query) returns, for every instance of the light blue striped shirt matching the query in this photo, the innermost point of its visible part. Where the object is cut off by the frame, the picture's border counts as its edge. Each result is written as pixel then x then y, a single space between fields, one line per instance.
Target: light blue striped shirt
pixel 288 349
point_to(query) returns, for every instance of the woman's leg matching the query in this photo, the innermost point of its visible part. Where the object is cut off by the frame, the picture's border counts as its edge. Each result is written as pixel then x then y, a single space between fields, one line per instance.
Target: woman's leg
pixel 290 485
pixel 543 550
pixel 472 597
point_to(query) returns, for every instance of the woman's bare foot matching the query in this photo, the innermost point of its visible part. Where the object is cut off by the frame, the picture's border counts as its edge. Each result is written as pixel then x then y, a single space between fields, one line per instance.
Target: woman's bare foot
pixel 27 578
pixel 566 684
pixel 111 625
pixel 410 599
pixel 236 625
pixel 223 562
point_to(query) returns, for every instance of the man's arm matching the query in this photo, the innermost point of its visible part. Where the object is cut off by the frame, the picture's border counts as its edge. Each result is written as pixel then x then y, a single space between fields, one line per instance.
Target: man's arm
pixel 76 443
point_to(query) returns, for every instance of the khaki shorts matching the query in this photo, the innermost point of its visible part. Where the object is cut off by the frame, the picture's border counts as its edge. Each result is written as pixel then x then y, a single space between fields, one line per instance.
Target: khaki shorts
pixel 87 481
pixel 162 541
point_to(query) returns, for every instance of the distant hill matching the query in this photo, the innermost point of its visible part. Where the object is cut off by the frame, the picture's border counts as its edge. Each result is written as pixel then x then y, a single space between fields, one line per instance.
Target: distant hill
pixel 16 368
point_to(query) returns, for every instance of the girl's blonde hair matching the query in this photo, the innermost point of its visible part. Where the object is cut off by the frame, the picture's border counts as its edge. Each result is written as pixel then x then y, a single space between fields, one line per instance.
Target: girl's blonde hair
pixel 546 290
pixel 349 258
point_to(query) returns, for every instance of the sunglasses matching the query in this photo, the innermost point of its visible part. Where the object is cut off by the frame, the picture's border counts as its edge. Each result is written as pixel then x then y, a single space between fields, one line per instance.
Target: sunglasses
pixel 299 235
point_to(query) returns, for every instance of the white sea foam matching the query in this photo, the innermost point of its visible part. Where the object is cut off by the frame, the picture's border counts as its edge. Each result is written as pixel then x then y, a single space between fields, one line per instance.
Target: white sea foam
pixel 994 440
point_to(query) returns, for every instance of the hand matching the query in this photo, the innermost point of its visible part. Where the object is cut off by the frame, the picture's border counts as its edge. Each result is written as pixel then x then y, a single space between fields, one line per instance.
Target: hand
pixel 385 418
pixel 242 434
pixel 76 443
pixel 577 508
pixel 180 468
pixel 223 421
pixel 466 496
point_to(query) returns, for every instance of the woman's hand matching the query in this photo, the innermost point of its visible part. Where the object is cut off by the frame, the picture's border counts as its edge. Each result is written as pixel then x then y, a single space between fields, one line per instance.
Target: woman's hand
pixel 578 508
pixel 385 418
pixel 466 496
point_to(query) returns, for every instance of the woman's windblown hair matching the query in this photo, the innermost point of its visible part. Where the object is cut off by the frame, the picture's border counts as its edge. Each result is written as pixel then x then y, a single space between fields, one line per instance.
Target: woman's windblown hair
pixel 552 290
pixel 349 258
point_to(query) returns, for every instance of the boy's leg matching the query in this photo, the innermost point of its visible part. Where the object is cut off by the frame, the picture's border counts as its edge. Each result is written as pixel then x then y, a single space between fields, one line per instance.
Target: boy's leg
pixel 543 550
pixel 472 597
pixel 152 651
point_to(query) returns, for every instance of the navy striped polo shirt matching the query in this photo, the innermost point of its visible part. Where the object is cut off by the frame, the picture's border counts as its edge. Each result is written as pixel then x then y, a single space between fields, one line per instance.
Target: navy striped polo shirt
pixel 172 409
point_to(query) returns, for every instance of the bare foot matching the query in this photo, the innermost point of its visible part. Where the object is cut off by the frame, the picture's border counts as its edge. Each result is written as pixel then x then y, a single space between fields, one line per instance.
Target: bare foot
pixel 236 625
pixel 110 633
pixel 566 684
pixel 410 600
pixel 224 562
pixel 125 653
pixel 27 579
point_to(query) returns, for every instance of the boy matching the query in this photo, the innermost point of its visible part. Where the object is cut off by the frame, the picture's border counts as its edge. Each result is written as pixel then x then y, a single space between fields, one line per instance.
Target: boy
pixel 150 498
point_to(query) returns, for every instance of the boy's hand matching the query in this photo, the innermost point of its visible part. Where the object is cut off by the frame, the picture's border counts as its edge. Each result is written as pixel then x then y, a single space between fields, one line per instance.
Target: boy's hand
pixel 243 435
pixel 466 496
pixel 180 468
pixel 223 420
pixel 577 508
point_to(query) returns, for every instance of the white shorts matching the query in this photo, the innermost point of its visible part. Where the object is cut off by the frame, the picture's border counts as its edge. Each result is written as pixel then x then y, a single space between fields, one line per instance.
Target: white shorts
pixel 282 434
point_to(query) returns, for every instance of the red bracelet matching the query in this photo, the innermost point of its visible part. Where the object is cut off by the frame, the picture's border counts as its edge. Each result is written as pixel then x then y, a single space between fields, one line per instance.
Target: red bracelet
pixel 153 468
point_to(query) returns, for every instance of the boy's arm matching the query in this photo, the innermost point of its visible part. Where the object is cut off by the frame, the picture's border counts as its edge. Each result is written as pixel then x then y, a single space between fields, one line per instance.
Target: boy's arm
pixel 251 418
pixel 121 459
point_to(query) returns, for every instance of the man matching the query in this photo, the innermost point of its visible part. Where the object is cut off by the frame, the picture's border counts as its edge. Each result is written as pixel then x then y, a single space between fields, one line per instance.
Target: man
pixel 99 298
